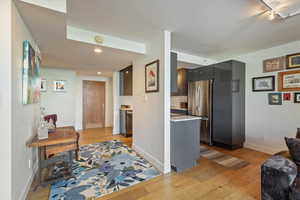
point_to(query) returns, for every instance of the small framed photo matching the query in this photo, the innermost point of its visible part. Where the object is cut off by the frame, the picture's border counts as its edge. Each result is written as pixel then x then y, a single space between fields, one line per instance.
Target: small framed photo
pixel 59 85
pixel 275 98
pixel 262 84
pixel 152 77
pixel 297 97
pixel 287 96
pixel 274 64
pixel 43 85
pixel 293 61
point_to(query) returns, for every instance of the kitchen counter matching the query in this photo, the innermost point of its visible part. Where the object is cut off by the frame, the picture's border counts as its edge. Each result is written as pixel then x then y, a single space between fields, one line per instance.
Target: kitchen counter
pixel 178 118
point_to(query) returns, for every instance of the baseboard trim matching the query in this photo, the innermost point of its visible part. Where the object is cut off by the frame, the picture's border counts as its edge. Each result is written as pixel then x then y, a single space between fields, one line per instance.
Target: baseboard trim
pixel 149 157
pixel 261 148
pixel 29 183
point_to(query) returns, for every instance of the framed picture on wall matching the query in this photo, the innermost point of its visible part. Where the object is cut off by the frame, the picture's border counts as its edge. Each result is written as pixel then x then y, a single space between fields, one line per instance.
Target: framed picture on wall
pixel 152 77
pixel 43 85
pixel 293 61
pixel 262 84
pixel 275 98
pixel 287 96
pixel 30 75
pixel 274 64
pixel 59 85
pixel 297 97
pixel 289 81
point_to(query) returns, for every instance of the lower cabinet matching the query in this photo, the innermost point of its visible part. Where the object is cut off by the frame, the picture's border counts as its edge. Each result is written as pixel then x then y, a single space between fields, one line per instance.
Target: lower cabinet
pixel 185 144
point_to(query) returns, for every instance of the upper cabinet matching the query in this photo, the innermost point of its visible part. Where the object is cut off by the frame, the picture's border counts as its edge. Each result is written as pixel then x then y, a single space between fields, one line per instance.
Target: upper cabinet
pixel 182 83
pixel 126 81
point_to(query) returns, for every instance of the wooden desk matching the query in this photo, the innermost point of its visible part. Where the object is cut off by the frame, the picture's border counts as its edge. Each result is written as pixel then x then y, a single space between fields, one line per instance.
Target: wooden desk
pixel 64 139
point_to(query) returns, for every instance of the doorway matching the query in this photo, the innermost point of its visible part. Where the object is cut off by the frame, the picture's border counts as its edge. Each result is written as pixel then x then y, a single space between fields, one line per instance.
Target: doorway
pixel 93 104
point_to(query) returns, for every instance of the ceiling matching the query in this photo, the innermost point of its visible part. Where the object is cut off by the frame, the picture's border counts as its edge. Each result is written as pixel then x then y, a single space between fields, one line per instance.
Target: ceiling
pixel 49 30
pixel 213 29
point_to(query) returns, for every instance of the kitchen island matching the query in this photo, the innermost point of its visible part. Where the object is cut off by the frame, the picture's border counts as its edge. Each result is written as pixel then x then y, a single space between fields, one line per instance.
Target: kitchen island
pixel 185 141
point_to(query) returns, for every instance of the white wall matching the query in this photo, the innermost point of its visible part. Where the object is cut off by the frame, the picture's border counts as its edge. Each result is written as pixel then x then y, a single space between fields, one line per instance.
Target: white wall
pixel 5 98
pixel 151 111
pixel 60 103
pixel 68 105
pixel 267 125
pixel 25 118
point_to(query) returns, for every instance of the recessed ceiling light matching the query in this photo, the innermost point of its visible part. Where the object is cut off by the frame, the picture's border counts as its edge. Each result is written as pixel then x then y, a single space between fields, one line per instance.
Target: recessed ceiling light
pixel 97 50
pixel 99 73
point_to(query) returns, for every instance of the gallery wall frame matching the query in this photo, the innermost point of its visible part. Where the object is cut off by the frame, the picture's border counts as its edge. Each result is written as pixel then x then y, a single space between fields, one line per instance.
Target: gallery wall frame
pixel 274 64
pixel 275 98
pixel 289 81
pixel 263 84
pixel 293 61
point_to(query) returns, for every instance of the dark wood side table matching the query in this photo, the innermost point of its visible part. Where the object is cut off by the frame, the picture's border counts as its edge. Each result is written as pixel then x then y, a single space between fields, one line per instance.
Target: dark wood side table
pixel 64 140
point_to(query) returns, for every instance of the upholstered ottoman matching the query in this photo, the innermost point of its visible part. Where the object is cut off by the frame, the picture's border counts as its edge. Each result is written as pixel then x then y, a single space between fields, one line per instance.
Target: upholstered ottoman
pixel 277 177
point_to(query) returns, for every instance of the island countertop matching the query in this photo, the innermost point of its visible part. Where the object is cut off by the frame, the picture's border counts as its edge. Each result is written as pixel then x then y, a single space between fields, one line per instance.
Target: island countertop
pixel 178 118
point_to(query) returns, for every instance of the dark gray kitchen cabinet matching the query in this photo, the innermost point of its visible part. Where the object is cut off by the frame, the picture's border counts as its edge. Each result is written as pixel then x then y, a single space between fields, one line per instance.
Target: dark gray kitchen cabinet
pixel 182 83
pixel 229 104
pixel 126 81
pixel 173 72
pixel 201 73
pixel 185 144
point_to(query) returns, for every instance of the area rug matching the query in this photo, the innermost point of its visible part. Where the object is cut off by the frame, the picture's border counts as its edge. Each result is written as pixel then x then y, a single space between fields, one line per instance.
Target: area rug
pixel 223 159
pixel 103 168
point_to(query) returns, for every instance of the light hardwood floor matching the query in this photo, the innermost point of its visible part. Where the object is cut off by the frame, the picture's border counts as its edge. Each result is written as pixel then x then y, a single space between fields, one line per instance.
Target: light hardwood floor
pixel 206 181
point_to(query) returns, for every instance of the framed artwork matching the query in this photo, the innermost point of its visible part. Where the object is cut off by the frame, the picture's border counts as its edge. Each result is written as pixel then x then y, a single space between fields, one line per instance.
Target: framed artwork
pixel 297 97
pixel 287 96
pixel 289 81
pixel 262 84
pixel 43 85
pixel 59 86
pixel 293 61
pixel 274 64
pixel 152 77
pixel 275 98
pixel 30 75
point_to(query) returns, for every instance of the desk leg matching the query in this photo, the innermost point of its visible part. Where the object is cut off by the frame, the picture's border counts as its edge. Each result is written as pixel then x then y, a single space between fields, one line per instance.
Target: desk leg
pixel 39 174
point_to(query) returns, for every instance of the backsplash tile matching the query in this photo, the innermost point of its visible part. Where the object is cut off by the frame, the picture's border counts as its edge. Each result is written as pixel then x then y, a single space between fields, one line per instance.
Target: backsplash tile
pixel 176 100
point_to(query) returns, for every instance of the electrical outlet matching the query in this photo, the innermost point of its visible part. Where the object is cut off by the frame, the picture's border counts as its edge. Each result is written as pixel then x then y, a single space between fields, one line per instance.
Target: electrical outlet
pixel 29 164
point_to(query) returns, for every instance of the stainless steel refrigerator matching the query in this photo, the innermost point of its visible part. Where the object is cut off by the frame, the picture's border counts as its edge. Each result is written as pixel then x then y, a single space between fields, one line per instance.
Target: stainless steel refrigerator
pixel 200 104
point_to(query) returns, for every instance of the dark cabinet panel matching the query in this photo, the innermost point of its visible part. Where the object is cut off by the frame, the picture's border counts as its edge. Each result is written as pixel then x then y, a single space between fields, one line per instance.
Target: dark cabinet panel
pixel 185 144
pixel 229 104
pixel 182 83
pixel 202 73
pixel 173 72
pixel 126 81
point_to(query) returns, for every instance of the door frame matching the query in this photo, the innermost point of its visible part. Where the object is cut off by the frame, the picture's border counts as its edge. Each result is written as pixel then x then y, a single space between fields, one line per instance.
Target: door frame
pixel 84 82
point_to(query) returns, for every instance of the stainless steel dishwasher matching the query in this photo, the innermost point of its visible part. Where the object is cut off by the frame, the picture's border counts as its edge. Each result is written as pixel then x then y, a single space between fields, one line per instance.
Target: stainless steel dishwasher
pixel 126 122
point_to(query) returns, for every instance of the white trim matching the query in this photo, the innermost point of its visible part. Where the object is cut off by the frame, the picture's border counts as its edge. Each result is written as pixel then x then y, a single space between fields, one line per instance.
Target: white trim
pixel 159 165
pixel 188 58
pixel 26 189
pixel 167 100
pixel 261 148
pixel 85 36
pixel 56 5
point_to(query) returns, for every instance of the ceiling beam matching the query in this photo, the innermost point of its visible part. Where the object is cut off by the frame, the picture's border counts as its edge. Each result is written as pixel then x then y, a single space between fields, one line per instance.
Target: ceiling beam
pixel 192 59
pixel 57 5
pixel 85 36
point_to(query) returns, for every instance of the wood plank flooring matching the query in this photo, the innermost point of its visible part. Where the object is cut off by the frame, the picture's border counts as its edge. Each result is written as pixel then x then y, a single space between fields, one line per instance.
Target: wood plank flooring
pixel 206 181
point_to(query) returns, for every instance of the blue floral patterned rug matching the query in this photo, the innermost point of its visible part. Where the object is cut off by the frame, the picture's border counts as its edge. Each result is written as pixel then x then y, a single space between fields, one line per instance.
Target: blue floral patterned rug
pixel 103 168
